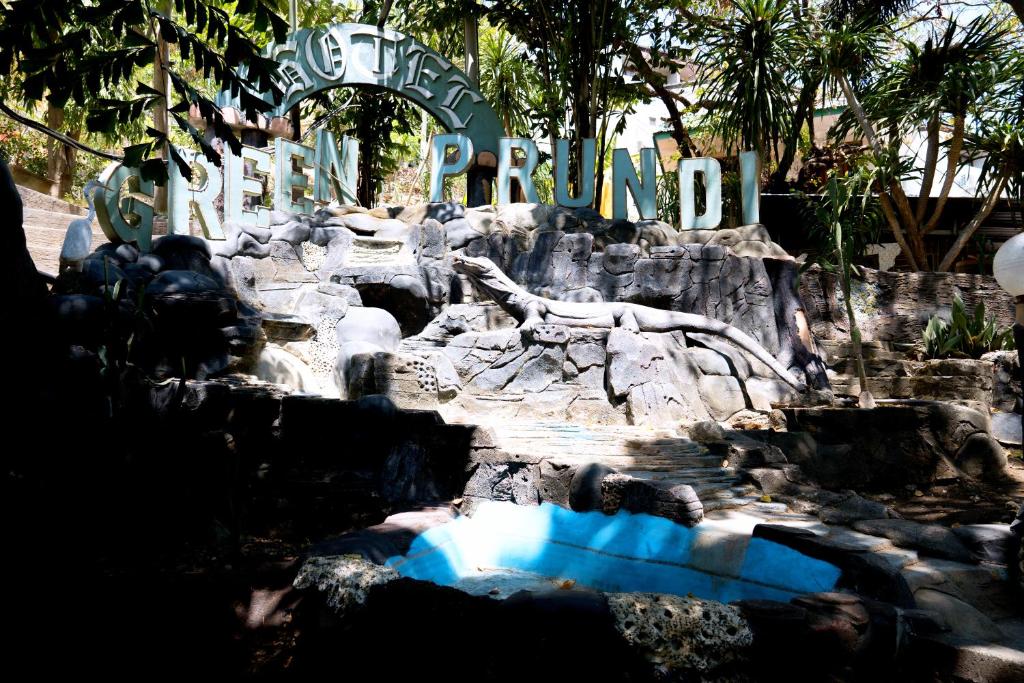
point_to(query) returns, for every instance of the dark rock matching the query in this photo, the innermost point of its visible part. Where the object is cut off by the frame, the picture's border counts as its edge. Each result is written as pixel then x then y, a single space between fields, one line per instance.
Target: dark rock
pixel 989 542
pixel 839 619
pixel 892 445
pixel 181 282
pixel 769 480
pixel 591 219
pixel 79 319
pixel 514 482
pixel 862 572
pixel 138 275
pixel 852 509
pixel 555 482
pixel 98 272
pixel 622 231
pixel 443 212
pixel 191 404
pixel 927 539
pixel 174 245
pixel 127 253
pixel 282 327
pixel 406 476
pixel 585 492
pixel 981 456
pixel 185 252
pixel 151 262
pixel 376 408
pixel 678 503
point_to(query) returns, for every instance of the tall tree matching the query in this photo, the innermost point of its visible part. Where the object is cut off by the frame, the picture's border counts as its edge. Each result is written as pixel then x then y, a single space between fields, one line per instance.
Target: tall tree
pixel 966 83
pixel 749 83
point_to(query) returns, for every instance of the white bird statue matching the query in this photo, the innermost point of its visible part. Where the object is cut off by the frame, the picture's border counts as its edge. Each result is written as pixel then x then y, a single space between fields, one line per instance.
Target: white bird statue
pixel 78 240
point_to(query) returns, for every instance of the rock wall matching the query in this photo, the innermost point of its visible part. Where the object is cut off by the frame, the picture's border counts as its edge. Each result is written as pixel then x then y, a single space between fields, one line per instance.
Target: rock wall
pixel 364 280
pixel 895 307
pixel 606 376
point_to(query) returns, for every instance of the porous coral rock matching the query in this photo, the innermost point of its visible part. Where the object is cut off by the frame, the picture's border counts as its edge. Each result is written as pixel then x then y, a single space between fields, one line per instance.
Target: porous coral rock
pixel 345 580
pixel 682 634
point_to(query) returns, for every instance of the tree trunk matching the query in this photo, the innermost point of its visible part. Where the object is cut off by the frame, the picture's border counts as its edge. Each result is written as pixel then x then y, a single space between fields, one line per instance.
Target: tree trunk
pixel 913 237
pixel 952 161
pixel 805 105
pixel 897 229
pixel 60 158
pixel 979 218
pixel 161 83
pixel 472 35
pixel 931 160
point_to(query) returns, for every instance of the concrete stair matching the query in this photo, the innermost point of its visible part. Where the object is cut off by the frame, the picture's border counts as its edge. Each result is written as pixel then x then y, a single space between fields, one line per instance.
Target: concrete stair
pixel 642 452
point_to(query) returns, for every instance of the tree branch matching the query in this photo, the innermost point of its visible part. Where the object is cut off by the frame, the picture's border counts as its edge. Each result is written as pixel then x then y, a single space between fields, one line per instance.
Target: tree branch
pixel 952 161
pixel 69 141
pixel 656 83
pixel 979 218
pixel 897 230
pixel 930 161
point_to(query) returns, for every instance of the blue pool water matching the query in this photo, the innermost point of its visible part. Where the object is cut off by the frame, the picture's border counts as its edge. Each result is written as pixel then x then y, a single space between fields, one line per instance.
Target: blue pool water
pixel 625 552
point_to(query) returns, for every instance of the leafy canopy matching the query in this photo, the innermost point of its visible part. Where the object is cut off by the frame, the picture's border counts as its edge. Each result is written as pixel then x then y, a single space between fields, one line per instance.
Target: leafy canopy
pixel 67 50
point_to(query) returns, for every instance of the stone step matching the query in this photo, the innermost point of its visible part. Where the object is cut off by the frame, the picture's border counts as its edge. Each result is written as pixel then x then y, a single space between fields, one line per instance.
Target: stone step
pixel 656 455
pixel 44 235
pixel 32 199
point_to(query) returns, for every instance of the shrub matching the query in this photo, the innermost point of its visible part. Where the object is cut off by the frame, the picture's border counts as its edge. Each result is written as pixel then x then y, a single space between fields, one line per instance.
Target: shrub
pixel 964 335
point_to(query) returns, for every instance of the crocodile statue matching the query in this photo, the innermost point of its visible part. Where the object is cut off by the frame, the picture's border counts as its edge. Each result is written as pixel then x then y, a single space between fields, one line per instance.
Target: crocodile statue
pixel 531 310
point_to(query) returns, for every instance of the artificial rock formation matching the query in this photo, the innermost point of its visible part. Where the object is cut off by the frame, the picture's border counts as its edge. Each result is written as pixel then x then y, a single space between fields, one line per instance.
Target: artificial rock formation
pixel 540 318
pixel 357 298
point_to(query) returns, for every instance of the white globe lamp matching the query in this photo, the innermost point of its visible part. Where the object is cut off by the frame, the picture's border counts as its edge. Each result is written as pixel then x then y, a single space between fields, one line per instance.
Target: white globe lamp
pixel 1008 267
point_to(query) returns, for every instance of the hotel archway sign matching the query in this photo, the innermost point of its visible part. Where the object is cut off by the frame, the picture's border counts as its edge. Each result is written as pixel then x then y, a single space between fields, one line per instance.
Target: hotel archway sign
pixel 313 60
pixel 359 55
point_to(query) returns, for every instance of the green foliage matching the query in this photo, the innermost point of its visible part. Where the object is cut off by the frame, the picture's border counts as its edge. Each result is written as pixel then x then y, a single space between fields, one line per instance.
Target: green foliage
pixel 544 182
pixel 965 335
pixel 844 219
pixel 24 148
pixel 509 82
pixel 384 124
pixel 82 50
pixel 668 198
pixel 749 84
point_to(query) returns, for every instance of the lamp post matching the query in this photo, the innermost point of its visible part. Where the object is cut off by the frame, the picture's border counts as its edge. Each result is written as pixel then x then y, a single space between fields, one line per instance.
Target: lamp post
pixel 1008 267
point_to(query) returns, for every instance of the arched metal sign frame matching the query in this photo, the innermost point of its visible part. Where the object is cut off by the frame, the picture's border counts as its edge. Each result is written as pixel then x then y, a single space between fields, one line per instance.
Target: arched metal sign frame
pixel 353 55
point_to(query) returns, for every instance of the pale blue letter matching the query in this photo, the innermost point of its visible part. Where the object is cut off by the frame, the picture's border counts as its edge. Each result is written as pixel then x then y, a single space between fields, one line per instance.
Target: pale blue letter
pixel 238 186
pixel 624 176
pixel 287 178
pixel 521 173
pixel 712 172
pixel 750 187
pixel 586 180
pixel 439 169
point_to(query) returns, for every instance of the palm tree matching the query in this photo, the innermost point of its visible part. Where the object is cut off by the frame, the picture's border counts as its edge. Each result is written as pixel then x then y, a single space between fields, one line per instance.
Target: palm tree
pixel 748 82
pixel 507 80
pixel 965 79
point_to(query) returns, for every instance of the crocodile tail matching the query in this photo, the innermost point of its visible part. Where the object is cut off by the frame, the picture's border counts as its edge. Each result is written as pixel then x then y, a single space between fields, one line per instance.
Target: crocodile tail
pixel 751 346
